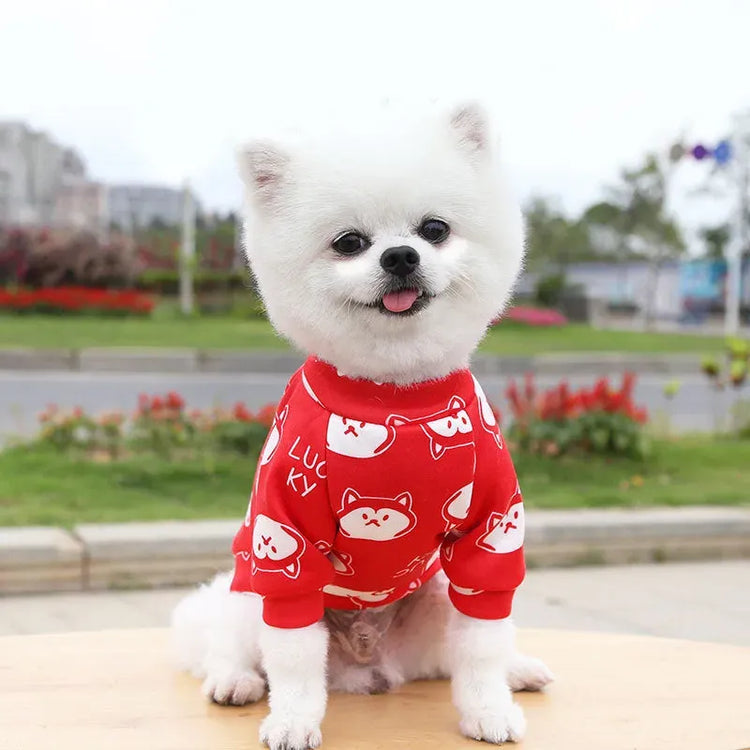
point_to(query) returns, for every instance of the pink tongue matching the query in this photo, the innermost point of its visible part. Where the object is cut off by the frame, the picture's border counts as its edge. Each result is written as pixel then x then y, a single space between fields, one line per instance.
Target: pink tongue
pixel 400 301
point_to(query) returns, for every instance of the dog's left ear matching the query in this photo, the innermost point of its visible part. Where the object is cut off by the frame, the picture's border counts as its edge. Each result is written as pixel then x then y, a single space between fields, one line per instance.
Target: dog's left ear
pixel 263 168
pixel 471 125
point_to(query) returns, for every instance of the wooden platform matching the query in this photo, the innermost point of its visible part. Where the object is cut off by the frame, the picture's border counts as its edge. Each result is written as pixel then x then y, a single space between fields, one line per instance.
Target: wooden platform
pixel 116 690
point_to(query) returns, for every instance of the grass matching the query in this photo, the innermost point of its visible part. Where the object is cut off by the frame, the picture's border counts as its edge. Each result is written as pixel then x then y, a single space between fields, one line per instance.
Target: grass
pixel 512 339
pixel 38 486
pixel 166 329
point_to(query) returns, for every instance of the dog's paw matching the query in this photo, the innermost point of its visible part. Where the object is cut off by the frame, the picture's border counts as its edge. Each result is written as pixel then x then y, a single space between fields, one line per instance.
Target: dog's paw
pixel 234 688
pixel 528 673
pixel 507 725
pixel 290 733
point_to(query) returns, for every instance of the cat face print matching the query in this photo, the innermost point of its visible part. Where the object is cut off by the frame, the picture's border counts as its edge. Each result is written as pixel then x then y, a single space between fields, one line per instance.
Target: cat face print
pixel 486 415
pixel 356 439
pixel 359 597
pixel 446 429
pixel 505 531
pixel 378 519
pixel 277 548
pixel 456 507
pixel 465 591
pixel 274 436
pixel 420 564
pixel 341 561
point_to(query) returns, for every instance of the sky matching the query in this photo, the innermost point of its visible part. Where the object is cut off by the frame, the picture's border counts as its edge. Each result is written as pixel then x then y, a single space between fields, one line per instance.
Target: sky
pixel 164 90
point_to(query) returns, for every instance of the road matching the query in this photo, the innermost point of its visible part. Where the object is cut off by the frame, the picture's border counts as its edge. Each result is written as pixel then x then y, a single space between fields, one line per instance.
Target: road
pixel 24 394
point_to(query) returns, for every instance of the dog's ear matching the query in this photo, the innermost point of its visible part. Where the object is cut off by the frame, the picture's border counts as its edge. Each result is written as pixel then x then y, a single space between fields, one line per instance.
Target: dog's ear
pixel 471 125
pixel 263 168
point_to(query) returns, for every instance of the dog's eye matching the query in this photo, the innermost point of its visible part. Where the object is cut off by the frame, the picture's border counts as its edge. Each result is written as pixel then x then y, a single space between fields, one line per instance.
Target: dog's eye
pixel 434 231
pixel 350 243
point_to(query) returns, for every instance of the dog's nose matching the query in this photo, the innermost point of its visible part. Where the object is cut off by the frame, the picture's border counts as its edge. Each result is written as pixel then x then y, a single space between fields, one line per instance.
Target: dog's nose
pixel 400 261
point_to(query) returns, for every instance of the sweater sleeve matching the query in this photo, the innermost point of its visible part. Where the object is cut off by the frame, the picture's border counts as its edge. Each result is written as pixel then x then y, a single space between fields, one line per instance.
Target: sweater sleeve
pixel 483 558
pixel 280 550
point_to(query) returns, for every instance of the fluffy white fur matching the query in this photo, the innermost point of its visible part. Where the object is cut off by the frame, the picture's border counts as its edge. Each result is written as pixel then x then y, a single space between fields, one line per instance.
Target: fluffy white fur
pixel 218 636
pixel 381 182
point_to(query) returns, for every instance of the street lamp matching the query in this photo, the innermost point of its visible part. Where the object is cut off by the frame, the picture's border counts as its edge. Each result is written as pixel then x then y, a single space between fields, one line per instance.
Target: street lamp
pixel 187 251
pixel 732 154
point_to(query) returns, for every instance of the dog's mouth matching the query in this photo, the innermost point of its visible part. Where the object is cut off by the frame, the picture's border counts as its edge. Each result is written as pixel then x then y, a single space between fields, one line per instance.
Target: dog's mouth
pixel 401 299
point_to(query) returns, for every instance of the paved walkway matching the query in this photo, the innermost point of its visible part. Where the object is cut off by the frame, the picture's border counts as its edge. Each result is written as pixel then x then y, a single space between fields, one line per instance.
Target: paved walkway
pixel 701 601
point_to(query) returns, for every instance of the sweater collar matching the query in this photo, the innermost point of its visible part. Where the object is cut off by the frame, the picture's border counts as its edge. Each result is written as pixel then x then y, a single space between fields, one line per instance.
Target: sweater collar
pixel 374 402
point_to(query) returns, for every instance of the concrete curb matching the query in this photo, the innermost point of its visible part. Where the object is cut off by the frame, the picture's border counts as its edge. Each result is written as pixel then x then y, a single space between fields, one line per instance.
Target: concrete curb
pixel 137 360
pixel 39 558
pixel 143 555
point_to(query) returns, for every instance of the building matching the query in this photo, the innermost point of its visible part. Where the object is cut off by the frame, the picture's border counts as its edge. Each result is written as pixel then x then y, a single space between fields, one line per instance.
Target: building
pixel 83 205
pixel 679 287
pixel 133 207
pixel 33 170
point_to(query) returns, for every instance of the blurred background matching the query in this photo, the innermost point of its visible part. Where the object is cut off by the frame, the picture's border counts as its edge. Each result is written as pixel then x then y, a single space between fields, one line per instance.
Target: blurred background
pixel 138 373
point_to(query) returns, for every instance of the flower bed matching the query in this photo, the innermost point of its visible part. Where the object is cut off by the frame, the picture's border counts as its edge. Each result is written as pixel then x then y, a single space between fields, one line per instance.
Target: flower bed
pixel 76 300
pixel 533 316
pixel 161 425
pixel 601 419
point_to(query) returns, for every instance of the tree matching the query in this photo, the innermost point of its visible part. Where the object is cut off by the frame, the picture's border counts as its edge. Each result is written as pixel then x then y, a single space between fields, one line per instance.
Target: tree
pixel 158 223
pixel 636 222
pixel 552 239
pixel 716 239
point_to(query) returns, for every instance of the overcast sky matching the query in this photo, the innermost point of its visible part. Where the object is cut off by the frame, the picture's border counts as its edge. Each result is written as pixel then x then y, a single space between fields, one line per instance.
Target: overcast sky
pixel 160 90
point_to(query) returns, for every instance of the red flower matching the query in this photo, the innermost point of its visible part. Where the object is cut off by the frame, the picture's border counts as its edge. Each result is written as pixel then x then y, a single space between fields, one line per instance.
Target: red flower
pixel 242 413
pixel 529 387
pixel 628 384
pixel 75 299
pixel 266 415
pixel 157 403
pixel 534 316
pixel 175 401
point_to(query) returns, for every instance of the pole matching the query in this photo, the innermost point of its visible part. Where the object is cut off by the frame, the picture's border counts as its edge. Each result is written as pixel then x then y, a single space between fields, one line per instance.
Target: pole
pixel 103 212
pixel 187 251
pixel 741 157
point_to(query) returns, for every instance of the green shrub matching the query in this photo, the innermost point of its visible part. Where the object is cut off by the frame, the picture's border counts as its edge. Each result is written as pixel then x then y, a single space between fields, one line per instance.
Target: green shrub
pixel 556 421
pixel 549 290
pixel 168 282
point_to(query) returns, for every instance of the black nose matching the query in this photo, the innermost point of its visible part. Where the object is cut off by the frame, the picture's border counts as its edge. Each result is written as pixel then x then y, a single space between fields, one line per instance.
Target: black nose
pixel 400 261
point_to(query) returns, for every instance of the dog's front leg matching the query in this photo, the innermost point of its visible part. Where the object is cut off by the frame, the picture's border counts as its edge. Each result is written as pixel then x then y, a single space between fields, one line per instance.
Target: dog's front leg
pixel 295 664
pixel 481 651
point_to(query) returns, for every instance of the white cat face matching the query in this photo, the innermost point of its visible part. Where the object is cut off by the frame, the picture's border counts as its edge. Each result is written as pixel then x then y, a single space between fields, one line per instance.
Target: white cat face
pixel 456 507
pixel 350 437
pixel 489 420
pixel 505 531
pixel 274 437
pixel 342 563
pixel 446 429
pixel 449 427
pixel 277 547
pixel 378 519
pixel 360 596
pixel 465 591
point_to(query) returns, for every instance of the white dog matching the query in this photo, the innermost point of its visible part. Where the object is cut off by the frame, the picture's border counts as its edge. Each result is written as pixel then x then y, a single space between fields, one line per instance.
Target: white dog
pixel 384 255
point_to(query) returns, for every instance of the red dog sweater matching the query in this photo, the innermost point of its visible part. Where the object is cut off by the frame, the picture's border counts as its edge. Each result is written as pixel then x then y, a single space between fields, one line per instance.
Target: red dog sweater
pixel 363 490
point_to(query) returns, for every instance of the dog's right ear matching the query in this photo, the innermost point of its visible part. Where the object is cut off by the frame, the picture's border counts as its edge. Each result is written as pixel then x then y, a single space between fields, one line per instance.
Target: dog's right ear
pixel 263 167
pixel 470 123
